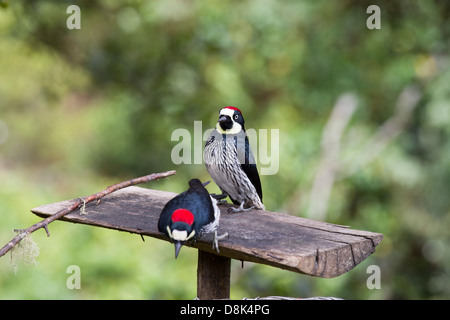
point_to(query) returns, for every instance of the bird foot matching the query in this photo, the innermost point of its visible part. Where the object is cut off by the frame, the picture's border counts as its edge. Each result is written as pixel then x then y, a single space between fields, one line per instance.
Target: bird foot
pixel 216 240
pixel 240 209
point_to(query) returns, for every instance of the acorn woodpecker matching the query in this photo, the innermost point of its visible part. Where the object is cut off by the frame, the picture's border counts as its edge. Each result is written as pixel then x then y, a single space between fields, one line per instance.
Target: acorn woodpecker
pixel 230 162
pixel 190 215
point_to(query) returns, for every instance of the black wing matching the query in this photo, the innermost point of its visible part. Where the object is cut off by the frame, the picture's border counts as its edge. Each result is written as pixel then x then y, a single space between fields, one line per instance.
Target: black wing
pixel 196 200
pixel 252 173
pixel 201 204
pixel 250 169
pixel 166 215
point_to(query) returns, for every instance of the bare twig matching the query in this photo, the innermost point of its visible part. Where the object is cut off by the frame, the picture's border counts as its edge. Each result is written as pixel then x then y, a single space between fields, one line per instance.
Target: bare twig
pixel 332 167
pixel 291 298
pixel 81 201
pixel 329 163
pixel 388 131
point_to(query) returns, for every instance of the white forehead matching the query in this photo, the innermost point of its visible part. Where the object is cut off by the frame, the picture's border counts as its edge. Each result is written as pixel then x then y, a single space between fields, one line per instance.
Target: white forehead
pixel 179 235
pixel 227 112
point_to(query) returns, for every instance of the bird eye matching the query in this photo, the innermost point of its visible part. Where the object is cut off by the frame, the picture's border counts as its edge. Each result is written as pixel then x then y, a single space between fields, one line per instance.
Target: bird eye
pixel 236 117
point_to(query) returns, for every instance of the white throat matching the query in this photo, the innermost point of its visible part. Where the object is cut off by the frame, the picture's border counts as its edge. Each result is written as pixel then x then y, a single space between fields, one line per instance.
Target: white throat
pixel 180 235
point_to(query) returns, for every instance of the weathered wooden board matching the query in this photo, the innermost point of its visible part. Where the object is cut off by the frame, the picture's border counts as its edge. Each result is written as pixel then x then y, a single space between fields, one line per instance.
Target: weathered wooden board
pixel 288 242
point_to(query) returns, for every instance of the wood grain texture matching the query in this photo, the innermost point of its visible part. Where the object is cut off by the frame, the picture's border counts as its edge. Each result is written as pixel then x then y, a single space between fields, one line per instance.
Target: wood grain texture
pixel 280 240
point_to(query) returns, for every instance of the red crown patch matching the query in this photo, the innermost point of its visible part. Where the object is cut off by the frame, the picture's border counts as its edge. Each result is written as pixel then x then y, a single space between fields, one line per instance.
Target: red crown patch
pixel 183 215
pixel 233 108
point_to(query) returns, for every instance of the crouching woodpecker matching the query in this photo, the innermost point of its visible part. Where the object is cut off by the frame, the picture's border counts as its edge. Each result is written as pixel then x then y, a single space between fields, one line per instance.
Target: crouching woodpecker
pixel 230 162
pixel 190 215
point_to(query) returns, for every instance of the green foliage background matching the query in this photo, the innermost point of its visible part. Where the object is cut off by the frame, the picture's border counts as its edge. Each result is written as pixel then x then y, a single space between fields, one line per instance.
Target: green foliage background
pixel 82 109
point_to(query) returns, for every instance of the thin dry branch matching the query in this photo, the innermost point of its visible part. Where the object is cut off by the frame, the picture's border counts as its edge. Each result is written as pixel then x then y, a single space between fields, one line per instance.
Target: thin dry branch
pixel 79 203
pixel 406 103
pixel 333 168
pixel 329 163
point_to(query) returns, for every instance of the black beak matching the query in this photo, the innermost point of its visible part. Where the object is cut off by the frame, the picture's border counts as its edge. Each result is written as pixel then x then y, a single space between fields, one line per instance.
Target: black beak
pixel 178 245
pixel 224 118
pixel 225 122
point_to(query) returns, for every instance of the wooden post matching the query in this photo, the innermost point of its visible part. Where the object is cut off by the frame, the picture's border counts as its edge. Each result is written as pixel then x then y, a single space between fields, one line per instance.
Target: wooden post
pixel 213 276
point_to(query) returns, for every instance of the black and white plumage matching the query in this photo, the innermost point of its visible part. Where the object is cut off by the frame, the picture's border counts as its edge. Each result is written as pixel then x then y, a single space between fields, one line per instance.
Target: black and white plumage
pixel 230 161
pixel 190 215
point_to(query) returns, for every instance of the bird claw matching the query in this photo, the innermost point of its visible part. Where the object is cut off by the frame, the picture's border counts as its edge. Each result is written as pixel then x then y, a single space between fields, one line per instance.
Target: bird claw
pixel 240 209
pixel 216 240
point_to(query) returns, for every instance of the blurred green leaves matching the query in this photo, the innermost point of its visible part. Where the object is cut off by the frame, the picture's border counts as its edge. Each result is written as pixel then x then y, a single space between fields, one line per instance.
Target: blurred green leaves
pixel 81 109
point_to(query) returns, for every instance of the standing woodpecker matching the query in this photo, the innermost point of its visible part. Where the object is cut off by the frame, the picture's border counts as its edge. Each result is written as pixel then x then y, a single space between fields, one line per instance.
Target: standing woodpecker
pixel 190 215
pixel 230 162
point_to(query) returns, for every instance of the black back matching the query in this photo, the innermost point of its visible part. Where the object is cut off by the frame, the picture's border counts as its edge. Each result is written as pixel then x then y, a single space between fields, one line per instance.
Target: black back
pixel 197 200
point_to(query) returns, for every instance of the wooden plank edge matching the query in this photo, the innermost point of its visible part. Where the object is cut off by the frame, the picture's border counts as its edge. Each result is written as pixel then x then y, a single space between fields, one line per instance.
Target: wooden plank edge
pixel 310 264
